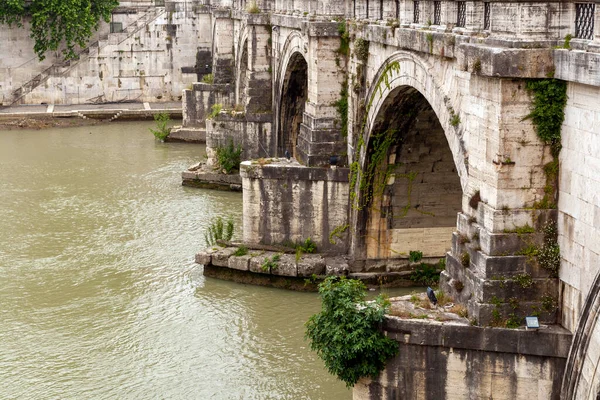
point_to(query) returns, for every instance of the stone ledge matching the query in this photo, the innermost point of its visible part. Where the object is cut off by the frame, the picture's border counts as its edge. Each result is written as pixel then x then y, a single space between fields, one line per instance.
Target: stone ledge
pixel 577 66
pixel 282 169
pixel 198 176
pixel 506 62
pixel 552 341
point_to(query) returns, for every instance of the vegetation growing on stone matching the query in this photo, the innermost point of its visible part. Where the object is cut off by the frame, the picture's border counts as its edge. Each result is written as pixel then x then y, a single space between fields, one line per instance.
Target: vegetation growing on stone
pixel 57 24
pixel 547 114
pixel 229 157
pixel 219 230
pixel 415 256
pixel 344 48
pixel 342 108
pixel 337 233
pixel 241 251
pixel 208 78
pixel 215 110
pixel 346 335
pixel 270 264
pixel 549 254
pixel 425 274
pixel 252 8
pixel 162 131
pixel 361 49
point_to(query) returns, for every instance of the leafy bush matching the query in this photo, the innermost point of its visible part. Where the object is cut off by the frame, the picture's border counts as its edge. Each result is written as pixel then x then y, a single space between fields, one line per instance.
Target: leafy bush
pixel 346 335
pixel 415 256
pixel 161 132
pixel 208 78
pixel 215 110
pixel 425 275
pixel 241 251
pixel 218 230
pixel 229 157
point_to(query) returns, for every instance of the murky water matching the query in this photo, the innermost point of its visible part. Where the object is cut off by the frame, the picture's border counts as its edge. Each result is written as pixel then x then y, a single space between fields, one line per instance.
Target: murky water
pixel 99 295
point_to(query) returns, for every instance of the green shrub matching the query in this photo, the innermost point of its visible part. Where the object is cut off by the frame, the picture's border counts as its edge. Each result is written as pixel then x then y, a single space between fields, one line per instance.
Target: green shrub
pixel 415 256
pixel 229 157
pixel 425 275
pixel 208 78
pixel 346 335
pixel 215 110
pixel 161 132
pixel 241 251
pixel 218 230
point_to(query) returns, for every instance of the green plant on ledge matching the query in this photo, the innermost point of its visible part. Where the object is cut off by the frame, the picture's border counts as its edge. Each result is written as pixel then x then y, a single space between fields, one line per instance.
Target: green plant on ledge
pixel 218 230
pixel 162 120
pixel 208 78
pixel 229 157
pixel 252 8
pixel 215 110
pixel 270 264
pixel 345 333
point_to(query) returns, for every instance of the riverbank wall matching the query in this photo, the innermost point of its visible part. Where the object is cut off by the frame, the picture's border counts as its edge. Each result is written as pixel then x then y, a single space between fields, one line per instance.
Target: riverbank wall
pixel 453 360
pixel 147 53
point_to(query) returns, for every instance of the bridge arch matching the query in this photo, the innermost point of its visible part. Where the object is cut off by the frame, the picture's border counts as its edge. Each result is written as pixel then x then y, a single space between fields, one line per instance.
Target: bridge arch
pixel 291 92
pixel 412 162
pixel 241 64
pixel 582 371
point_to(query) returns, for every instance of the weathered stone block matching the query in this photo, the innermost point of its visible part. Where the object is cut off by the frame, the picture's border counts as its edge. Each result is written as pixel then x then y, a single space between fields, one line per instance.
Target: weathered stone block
pixel 221 257
pixel 311 264
pixel 241 263
pixel 286 266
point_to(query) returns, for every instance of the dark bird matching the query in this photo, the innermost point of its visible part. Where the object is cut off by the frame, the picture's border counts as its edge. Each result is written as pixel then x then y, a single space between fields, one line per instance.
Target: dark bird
pixel 333 160
pixel 431 296
pixel 287 154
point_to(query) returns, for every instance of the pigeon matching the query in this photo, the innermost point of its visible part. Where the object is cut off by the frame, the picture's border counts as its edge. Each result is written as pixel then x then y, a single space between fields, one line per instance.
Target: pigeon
pixel 287 154
pixel 431 296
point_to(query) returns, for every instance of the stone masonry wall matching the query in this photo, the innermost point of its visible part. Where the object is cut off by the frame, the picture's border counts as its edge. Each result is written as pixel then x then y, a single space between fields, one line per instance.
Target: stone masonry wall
pixel 286 202
pixel 154 60
pixel 579 201
pixel 438 361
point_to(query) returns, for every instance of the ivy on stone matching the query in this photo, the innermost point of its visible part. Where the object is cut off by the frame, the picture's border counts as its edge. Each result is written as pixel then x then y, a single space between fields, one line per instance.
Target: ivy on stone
pixel 547 114
pixel 346 334
pixel 57 24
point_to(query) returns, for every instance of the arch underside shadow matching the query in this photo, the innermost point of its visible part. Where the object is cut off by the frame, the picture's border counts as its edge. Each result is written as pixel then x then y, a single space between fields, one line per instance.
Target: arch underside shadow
pixel 413 192
pixel 294 93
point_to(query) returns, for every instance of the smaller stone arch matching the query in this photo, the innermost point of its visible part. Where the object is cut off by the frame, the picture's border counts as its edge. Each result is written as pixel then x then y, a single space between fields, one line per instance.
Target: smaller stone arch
pixel 291 91
pixel 241 64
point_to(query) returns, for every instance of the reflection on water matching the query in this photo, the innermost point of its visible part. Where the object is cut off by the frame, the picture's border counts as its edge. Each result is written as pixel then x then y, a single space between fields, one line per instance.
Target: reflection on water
pixel 99 295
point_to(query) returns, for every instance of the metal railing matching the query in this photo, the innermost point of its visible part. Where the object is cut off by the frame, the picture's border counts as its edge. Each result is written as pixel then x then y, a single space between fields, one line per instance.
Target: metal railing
pixel 584 20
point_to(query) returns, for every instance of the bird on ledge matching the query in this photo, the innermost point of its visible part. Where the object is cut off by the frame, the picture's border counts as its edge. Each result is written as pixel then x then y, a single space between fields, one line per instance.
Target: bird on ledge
pixel 431 296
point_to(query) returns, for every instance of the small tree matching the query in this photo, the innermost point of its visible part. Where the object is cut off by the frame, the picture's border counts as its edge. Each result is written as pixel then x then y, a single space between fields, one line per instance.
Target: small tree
pixel 346 335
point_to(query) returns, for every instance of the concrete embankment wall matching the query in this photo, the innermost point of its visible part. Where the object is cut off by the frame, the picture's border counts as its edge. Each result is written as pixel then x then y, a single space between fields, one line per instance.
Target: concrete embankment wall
pixel 153 60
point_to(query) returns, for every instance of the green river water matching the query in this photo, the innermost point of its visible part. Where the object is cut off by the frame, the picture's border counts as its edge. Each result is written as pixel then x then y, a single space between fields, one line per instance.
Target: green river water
pixel 99 295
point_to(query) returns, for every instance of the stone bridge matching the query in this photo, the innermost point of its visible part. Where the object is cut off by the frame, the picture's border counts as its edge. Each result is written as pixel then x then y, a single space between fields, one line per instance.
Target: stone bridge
pixel 422 109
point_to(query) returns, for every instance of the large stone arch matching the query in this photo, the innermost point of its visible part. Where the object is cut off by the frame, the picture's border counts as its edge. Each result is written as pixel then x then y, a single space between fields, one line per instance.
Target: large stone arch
pixel 408 105
pixel 582 374
pixel 293 47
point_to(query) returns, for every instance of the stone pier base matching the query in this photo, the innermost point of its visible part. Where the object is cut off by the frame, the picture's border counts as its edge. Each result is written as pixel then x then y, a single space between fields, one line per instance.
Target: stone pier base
pixel 453 360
